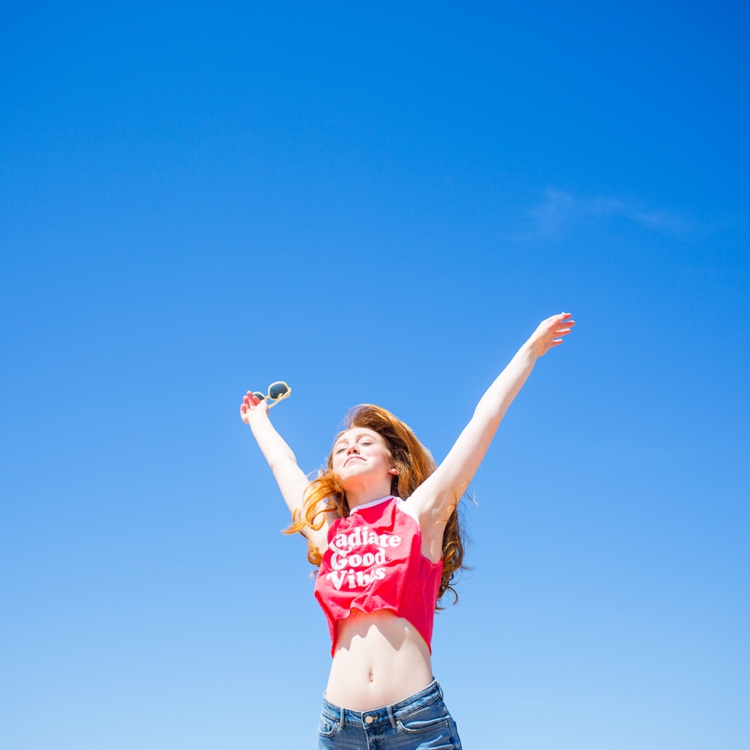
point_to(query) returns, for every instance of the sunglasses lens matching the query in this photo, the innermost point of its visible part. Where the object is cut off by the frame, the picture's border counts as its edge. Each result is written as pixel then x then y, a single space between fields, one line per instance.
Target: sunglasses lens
pixel 277 390
pixel 259 395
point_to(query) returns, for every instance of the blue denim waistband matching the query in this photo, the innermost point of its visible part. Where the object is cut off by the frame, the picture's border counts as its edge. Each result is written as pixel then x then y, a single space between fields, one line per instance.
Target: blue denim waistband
pixel 385 714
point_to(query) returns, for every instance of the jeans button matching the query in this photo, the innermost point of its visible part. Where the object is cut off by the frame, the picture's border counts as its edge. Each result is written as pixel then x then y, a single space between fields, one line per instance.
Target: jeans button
pixel 369 719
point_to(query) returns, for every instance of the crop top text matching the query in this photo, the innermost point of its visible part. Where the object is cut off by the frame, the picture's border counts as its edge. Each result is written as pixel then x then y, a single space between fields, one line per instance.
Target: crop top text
pixel 374 561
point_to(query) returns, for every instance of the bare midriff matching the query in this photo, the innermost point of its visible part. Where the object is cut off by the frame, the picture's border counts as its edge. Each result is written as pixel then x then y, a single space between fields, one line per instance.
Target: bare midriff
pixel 380 659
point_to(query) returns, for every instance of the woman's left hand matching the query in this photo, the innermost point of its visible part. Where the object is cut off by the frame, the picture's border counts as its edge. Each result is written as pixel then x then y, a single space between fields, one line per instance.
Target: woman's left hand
pixel 550 333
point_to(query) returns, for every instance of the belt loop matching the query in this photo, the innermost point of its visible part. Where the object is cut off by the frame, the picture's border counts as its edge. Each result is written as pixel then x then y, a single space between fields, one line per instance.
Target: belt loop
pixel 440 690
pixel 341 719
pixel 390 717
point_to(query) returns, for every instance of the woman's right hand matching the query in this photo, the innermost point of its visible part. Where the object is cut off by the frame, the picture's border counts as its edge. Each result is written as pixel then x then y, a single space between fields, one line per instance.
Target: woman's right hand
pixel 253 408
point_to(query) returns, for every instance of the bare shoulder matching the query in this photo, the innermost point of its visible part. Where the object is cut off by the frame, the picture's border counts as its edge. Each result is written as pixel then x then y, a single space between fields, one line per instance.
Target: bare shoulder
pixel 428 505
pixel 431 527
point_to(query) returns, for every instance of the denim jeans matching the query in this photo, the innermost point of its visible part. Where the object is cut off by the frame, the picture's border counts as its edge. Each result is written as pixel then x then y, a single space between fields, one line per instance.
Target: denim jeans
pixel 421 722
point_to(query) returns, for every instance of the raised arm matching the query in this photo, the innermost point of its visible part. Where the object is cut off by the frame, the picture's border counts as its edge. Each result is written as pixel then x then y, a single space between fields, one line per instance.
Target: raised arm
pixel 435 498
pixel 290 478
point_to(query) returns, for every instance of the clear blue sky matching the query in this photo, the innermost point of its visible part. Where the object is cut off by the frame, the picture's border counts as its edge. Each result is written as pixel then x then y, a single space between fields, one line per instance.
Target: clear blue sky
pixel 378 205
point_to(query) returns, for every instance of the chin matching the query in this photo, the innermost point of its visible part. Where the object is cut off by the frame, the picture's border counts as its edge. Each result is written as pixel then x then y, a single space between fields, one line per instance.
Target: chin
pixel 356 469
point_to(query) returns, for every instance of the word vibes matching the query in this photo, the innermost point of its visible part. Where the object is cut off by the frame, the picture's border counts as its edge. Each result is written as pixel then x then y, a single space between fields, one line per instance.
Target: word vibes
pixel 357 569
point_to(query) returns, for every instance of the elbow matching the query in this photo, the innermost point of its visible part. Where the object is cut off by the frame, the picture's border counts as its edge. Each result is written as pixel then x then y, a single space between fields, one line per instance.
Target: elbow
pixel 281 462
pixel 488 415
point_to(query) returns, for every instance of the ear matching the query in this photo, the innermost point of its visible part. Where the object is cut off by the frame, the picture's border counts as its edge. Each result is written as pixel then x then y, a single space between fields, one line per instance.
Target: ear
pixel 393 470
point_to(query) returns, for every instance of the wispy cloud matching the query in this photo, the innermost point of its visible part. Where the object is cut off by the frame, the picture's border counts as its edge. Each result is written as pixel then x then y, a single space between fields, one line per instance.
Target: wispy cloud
pixel 560 211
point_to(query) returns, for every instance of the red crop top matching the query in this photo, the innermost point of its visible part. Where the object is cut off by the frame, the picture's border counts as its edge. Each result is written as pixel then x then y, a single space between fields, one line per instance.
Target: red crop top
pixel 374 561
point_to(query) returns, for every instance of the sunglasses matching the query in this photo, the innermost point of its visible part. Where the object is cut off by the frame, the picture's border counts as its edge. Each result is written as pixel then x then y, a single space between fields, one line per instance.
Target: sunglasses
pixel 277 391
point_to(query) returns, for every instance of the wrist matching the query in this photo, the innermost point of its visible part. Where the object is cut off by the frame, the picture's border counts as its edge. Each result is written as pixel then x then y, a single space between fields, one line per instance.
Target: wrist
pixel 259 420
pixel 528 352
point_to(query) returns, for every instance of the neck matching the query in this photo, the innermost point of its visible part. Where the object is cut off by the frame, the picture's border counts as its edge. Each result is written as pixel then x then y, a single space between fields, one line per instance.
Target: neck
pixel 356 496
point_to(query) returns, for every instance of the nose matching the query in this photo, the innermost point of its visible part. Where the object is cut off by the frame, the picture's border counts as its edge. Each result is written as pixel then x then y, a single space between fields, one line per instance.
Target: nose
pixel 352 449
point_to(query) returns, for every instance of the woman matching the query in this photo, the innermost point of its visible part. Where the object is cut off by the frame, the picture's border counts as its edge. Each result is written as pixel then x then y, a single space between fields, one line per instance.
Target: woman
pixel 382 525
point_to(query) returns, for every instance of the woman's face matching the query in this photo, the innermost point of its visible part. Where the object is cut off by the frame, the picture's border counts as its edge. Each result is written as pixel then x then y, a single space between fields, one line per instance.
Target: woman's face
pixel 360 456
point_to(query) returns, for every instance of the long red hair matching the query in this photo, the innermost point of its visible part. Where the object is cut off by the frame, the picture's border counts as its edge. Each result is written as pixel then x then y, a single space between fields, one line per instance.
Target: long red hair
pixel 414 463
